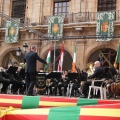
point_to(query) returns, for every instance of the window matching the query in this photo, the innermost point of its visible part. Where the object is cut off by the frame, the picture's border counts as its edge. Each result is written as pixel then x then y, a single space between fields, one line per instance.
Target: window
pixel 61 7
pixel 18 8
pixel 106 5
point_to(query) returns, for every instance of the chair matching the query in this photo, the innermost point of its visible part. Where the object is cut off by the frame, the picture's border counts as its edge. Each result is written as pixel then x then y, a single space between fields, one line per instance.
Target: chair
pixel 95 89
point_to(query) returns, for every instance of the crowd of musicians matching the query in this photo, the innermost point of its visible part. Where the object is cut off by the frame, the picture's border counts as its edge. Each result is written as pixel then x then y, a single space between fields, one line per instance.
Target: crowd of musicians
pixel 15 82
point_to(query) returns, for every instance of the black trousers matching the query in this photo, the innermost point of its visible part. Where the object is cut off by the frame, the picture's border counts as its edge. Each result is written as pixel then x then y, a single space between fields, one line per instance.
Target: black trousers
pixel 65 88
pixel 17 85
pixel 30 82
pixel 6 83
pixel 54 91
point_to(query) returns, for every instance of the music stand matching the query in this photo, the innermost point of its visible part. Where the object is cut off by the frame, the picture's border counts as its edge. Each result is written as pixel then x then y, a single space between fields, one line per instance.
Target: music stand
pixel 41 75
pixel 72 76
pixel 57 75
pixel 12 69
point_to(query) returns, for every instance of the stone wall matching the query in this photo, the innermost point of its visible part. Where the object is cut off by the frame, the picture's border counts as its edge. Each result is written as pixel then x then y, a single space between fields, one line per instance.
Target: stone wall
pixel 36 9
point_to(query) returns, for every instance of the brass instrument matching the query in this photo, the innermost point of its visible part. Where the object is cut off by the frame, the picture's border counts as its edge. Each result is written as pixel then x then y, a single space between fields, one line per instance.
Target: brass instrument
pixel 90 67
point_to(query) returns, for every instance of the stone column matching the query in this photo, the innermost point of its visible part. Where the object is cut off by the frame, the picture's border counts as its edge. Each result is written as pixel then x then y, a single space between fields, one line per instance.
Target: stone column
pixel 80 53
pixel 1 10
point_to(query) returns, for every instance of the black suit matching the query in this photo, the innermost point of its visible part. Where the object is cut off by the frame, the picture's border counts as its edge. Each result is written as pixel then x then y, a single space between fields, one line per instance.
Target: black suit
pixel 31 59
pixel 98 75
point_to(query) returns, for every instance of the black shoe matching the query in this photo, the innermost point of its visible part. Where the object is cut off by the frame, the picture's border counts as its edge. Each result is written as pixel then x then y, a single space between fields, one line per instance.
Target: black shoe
pixel 83 96
pixel 59 95
pixel 3 92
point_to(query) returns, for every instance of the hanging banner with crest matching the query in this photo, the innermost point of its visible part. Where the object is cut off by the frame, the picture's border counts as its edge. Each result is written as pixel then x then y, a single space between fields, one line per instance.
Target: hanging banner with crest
pixel 55 27
pixel 12 29
pixel 105 26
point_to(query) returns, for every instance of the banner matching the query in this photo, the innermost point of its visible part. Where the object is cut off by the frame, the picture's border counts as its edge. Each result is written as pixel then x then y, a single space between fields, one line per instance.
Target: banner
pixel 105 26
pixel 12 29
pixel 55 27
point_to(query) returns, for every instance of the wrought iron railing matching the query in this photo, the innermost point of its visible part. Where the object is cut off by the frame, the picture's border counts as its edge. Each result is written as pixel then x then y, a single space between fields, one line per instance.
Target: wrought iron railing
pixel 80 17
pixel 22 20
pixel 69 18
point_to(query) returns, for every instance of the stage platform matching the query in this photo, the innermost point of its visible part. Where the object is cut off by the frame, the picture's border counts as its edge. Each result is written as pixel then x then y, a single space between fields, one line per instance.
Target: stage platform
pixel 21 107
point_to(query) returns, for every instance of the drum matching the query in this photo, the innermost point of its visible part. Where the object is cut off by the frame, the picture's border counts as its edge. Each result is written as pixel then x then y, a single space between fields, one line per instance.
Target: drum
pixel 114 89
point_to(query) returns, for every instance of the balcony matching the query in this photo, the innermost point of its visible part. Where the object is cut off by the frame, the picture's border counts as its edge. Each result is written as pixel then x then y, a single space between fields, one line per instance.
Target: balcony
pixel 25 20
pixel 80 17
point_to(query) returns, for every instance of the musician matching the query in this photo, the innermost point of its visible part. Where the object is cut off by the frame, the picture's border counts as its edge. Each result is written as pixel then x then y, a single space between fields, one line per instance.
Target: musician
pixel 63 83
pixel 53 84
pixel 114 72
pixel 5 82
pixel 76 85
pixel 98 75
pixel 78 81
pixel 19 83
pixel 108 73
pixel 31 58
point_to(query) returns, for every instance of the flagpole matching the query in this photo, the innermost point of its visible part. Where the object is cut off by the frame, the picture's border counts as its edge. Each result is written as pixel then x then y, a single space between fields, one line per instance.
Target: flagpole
pixel 54 55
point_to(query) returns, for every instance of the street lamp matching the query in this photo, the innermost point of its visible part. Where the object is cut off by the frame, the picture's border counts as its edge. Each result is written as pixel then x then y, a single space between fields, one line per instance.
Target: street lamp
pixel 25 47
pixel 19 51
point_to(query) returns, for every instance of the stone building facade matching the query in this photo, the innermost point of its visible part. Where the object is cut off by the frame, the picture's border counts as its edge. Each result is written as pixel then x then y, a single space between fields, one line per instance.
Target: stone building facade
pixel 80 20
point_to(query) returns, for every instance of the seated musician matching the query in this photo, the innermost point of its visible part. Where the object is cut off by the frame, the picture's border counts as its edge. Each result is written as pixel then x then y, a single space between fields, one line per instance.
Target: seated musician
pixel 11 75
pixel 113 70
pixel 5 82
pixel 15 81
pixel 19 84
pixel 98 75
pixel 63 83
pixel 53 83
pixel 76 85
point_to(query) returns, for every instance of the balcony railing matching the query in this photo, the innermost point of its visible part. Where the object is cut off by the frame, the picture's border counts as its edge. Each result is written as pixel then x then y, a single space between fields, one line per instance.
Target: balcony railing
pixel 80 17
pixel 26 21
pixel 70 18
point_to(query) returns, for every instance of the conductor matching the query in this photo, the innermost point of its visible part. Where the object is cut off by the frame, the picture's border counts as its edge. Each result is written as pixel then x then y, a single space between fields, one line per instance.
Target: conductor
pixel 31 58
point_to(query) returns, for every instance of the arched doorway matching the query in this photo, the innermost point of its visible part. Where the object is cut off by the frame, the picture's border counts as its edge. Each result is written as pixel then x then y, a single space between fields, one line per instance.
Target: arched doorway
pixel 67 60
pixel 11 58
pixel 105 55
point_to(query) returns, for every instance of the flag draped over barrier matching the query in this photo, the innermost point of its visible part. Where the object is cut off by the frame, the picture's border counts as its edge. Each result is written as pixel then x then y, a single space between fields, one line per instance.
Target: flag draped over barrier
pixel 74 60
pixel 105 26
pixel 94 112
pixel 57 108
pixel 48 59
pixel 55 27
pixel 29 102
pixel 60 64
pixel 12 30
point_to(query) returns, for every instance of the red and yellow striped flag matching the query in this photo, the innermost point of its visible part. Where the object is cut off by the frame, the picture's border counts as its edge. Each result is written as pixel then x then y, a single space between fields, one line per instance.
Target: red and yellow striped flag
pixel 29 102
pixel 95 112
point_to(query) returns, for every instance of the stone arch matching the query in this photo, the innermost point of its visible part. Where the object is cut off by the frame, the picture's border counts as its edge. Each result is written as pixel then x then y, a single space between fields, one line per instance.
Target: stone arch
pixel 5 57
pixel 3 54
pixel 95 47
pixel 67 66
